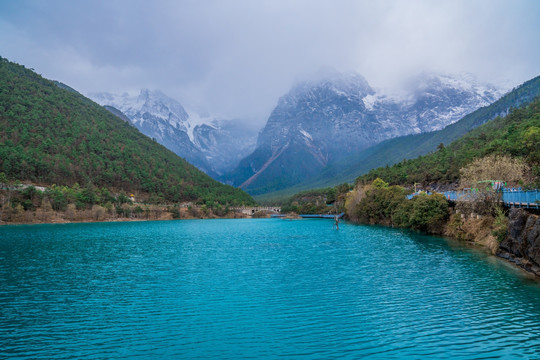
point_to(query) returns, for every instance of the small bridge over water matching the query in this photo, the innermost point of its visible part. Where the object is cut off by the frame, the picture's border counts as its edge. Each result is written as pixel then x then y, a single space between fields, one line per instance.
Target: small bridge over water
pixel 250 210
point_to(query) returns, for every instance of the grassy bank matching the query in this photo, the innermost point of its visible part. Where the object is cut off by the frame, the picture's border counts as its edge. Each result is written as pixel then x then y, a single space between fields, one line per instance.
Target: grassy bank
pixel 45 213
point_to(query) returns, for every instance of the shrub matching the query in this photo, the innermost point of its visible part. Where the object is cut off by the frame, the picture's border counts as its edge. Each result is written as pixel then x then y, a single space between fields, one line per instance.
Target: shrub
pixel 500 225
pixel 493 167
pixel 351 202
pixel 384 204
pixel 58 199
pixel 402 215
pixel 122 199
pixel 71 212
pixel 428 212
pixel 98 212
pixel 193 211
pixel 378 202
pixel 87 196
pixel 175 212
pixel 123 211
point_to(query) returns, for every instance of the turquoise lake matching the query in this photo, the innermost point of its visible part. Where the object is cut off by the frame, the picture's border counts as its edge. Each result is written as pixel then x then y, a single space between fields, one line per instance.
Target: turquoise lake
pixel 257 289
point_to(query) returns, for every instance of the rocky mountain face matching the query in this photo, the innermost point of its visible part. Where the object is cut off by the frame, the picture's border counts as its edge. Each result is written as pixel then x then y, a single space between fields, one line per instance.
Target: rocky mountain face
pixel 522 245
pixel 318 123
pixel 212 145
pixel 438 100
pixel 224 143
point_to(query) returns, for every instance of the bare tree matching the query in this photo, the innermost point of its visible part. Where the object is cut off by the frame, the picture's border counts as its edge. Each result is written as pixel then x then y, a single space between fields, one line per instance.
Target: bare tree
pixel 484 197
pixel 352 199
pixel 493 167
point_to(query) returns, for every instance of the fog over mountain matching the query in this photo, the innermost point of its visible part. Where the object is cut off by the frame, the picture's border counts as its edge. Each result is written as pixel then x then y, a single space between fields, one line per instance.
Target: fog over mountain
pixel 318 123
pixel 235 59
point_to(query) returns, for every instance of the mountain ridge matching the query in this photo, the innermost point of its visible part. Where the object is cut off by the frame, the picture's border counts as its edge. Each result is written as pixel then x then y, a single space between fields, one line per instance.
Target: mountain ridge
pixel 207 142
pixel 395 150
pixel 322 122
pixel 52 135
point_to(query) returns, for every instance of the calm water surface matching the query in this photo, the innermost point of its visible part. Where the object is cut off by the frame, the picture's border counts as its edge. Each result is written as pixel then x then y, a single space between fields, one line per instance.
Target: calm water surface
pixel 238 289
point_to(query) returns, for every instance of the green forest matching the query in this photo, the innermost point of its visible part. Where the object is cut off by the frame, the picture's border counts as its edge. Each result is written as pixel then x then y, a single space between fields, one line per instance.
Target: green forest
pixel 517 135
pixel 51 135
pixel 317 201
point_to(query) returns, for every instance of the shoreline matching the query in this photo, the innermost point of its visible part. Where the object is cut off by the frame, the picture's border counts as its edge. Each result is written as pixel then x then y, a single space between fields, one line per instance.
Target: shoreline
pixel 57 217
pixel 478 232
pixel 4 223
pixel 63 221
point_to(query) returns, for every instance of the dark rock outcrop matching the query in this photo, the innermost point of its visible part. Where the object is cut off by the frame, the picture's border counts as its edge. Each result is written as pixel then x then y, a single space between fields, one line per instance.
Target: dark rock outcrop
pixel 522 245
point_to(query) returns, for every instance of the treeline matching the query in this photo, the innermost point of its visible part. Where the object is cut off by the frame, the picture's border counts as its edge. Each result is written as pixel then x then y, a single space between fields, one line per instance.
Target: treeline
pixel 50 135
pixel 59 197
pixel 380 203
pixel 27 204
pixel 317 201
pixel 516 135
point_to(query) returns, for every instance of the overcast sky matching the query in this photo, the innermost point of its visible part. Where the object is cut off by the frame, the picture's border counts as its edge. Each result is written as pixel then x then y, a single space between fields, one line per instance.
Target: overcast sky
pixel 236 58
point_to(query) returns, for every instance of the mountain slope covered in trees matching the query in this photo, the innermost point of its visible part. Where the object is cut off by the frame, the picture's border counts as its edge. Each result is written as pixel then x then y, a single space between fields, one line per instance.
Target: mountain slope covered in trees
pixel 50 135
pixel 516 135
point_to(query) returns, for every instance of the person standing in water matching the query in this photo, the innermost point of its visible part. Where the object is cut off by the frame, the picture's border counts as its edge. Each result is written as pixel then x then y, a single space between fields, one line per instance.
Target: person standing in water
pixel 336 222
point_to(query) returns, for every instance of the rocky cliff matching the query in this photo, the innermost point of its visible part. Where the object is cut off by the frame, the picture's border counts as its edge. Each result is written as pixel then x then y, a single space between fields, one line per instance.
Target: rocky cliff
pixel 522 245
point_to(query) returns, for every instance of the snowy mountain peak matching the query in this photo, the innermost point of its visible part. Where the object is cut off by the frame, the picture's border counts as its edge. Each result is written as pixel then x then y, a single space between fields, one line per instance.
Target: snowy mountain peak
pixel 464 82
pixel 321 122
pixel 212 145
pixel 341 84
pixel 148 106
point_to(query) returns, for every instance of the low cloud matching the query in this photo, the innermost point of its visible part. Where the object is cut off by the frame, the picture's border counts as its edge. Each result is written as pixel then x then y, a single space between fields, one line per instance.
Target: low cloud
pixel 235 58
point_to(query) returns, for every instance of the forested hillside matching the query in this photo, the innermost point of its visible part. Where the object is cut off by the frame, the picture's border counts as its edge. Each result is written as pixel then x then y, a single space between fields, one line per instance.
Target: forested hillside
pixel 516 135
pixel 50 135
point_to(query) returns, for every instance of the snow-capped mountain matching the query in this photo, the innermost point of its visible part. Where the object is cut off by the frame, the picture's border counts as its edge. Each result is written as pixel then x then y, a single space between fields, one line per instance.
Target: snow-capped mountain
pixel 161 107
pixel 318 123
pixel 442 99
pixel 212 145
pixel 224 143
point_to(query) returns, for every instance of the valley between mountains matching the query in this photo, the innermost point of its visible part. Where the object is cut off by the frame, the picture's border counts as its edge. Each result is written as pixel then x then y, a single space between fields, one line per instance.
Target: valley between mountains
pixel 317 130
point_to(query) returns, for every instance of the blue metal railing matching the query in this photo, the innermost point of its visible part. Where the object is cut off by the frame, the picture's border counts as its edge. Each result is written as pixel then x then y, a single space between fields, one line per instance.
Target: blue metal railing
pixel 510 197
pixel 528 199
